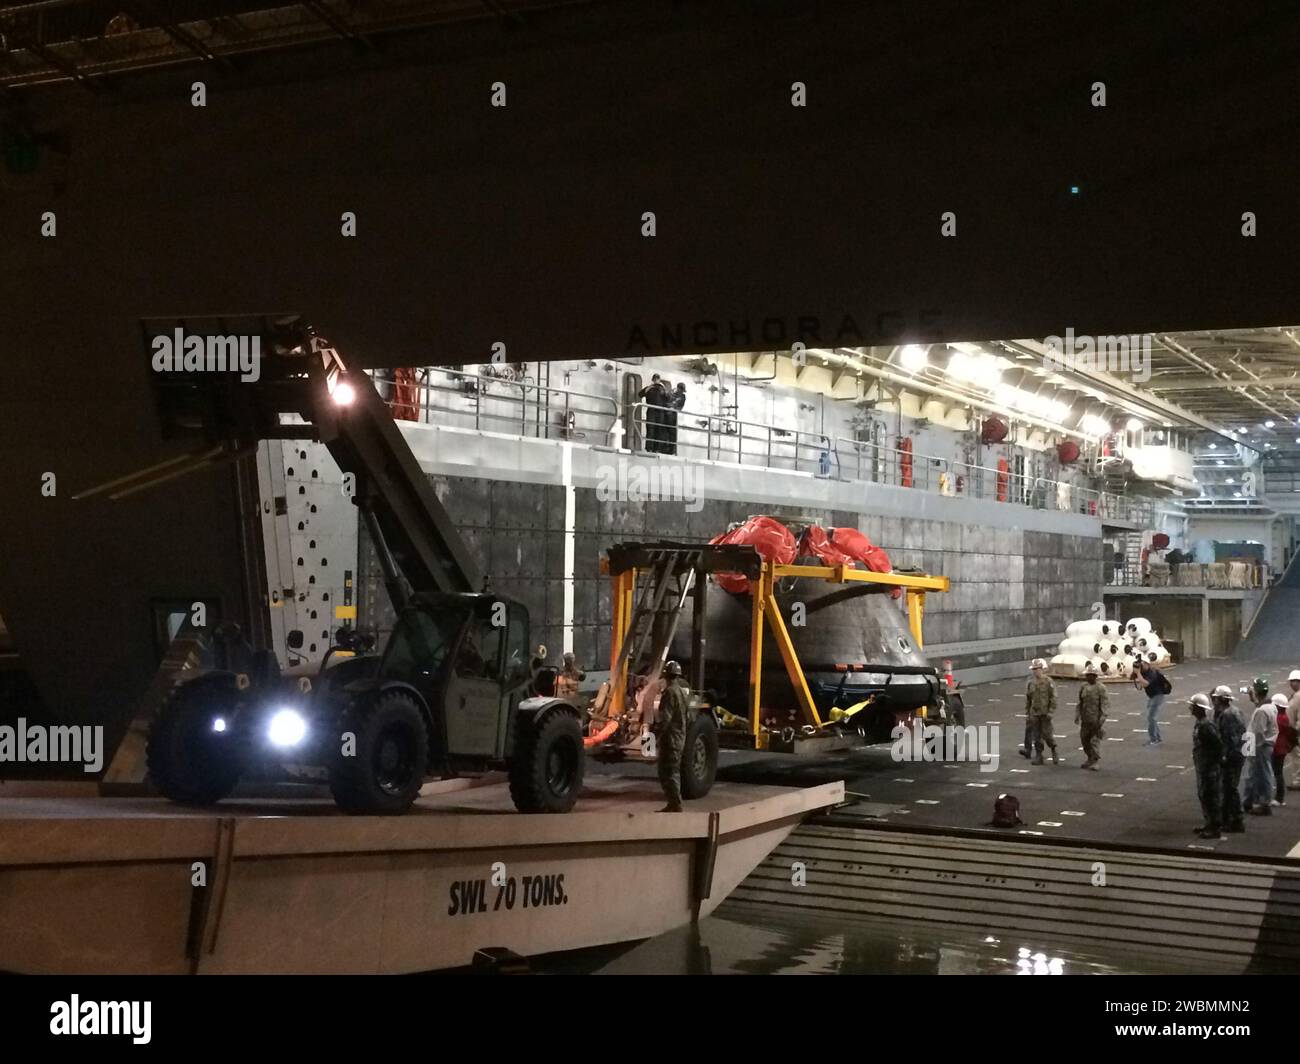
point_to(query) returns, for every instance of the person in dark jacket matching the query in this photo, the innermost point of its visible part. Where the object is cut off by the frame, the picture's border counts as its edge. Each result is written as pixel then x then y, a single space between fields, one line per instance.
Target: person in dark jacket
pixel 1232 730
pixel 656 397
pixel 1207 756
pixel 676 401
pixel 1155 686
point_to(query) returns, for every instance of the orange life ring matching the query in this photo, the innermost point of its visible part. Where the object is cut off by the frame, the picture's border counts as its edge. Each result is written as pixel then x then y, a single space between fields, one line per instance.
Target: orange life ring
pixel 406 396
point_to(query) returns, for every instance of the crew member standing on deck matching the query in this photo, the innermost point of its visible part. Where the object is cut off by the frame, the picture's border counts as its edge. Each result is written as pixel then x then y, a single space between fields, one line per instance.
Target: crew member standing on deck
pixel 1262 793
pixel 1207 756
pixel 1040 704
pixel 674 704
pixel 1090 715
pixel 1232 730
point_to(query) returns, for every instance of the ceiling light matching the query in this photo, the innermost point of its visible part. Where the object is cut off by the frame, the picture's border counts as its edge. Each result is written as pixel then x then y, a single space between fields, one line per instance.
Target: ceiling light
pixel 1214 447
pixel 1094 425
pixel 978 368
pixel 914 358
pixel 1008 395
pixel 1134 425
pixel 1268 424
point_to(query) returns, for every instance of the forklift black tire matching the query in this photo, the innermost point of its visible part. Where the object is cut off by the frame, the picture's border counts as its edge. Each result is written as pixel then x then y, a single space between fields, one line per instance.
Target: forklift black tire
pixel 700 756
pixel 547 767
pixel 188 761
pixel 386 767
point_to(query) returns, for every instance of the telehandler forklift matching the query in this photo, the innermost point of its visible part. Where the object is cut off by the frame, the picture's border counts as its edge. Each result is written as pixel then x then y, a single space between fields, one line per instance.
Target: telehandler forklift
pixel 452 691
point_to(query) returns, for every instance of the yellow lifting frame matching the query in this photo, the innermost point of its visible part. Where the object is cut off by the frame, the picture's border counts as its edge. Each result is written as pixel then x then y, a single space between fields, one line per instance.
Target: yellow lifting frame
pixel 764 606
pixel 623 589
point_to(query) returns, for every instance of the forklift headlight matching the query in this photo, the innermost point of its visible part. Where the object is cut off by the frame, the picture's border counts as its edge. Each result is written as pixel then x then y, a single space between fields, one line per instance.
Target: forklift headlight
pixel 287 728
pixel 343 393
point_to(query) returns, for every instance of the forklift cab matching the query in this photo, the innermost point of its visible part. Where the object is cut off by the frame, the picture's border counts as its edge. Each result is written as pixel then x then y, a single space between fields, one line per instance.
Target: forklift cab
pixel 467 658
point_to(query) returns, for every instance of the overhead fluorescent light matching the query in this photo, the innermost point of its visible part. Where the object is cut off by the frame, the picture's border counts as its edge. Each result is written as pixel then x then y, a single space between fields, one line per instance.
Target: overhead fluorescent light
pixel 914 358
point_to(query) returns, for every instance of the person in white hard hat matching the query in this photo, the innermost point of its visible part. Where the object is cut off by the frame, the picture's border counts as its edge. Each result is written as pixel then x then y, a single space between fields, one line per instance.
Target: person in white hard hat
pixel 1282 745
pixel 1040 704
pixel 1090 715
pixel 1293 712
pixel 1207 757
pixel 1232 730
pixel 1027 750
pixel 1262 734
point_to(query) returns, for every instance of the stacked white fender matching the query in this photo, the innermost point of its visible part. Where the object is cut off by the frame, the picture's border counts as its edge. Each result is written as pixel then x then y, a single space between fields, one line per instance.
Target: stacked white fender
pixel 1146 642
pixel 1113 647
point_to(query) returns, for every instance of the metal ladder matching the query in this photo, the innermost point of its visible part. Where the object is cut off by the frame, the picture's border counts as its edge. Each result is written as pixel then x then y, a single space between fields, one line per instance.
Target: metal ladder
pixel 1133 557
pixel 641 644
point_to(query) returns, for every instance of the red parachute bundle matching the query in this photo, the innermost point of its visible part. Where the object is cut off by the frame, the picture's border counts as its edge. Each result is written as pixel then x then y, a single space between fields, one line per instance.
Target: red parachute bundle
pixel 775 542
pixel 766 535
pixel 845 546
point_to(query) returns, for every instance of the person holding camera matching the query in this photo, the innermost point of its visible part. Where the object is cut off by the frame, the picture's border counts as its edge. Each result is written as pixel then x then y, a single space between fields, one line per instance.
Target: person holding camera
pixel 1156 687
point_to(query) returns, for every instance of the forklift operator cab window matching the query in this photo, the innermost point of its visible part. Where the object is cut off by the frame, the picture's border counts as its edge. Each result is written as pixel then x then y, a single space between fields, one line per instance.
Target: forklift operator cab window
pixel 517 650
pixel 420 642
pixel 480 651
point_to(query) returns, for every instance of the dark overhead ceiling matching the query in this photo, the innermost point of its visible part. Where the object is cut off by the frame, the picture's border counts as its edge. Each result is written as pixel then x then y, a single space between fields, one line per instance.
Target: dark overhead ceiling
pixel 88 41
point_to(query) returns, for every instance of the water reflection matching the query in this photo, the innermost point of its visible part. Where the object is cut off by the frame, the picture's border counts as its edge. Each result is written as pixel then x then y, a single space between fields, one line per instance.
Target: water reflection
pixel 745 939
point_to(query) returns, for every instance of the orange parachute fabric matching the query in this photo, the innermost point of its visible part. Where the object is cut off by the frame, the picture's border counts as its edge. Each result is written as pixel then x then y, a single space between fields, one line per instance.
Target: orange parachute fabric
pixel 775 542
pixel 846 546
pixel 772 540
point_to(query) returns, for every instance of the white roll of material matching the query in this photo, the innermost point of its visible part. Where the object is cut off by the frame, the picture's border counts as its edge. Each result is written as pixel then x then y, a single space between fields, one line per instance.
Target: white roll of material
pixel 1080 629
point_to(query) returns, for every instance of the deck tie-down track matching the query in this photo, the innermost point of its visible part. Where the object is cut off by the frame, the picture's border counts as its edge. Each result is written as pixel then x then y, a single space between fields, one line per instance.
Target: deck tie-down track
pixel 1224 915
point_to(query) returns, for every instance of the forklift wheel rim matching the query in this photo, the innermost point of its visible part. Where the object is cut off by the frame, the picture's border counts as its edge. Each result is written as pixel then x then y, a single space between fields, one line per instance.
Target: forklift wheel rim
pixel 700 757
pixel 394 759
pixel 560 770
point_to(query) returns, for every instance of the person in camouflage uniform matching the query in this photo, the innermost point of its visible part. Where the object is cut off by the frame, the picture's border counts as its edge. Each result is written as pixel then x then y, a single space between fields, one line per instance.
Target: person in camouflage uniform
pixel 1090 715
pixel 671 735
pixel 1040 704
pixel 1232 729
pixel 1207 756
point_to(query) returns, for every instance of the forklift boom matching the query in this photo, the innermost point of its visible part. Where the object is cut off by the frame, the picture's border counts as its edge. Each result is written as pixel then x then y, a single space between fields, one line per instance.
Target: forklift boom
pixel 299 373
